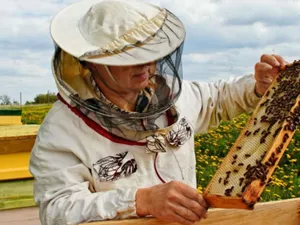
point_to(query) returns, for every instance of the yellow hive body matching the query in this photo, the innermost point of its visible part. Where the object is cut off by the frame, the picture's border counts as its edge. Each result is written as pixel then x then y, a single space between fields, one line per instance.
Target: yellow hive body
pixel 16 143
pixel 10 120
pixel 10 116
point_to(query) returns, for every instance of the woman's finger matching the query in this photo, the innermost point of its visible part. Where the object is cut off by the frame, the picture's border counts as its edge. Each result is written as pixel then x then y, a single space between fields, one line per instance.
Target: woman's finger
pixel 268 76
pixel 271 60
pixel 264 79
pixel 179 219
pixel 203 202
pixel 263 67
pixel 282 62
pixel 192 194
pixel 184 212
pixel 279 59
pixel 195 206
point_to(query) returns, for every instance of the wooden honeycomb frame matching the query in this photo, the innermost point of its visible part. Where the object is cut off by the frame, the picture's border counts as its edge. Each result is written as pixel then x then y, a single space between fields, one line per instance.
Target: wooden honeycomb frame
pixel 247 168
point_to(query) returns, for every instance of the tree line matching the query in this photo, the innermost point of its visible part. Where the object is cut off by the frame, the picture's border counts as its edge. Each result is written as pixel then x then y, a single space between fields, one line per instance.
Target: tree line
pixel 47 98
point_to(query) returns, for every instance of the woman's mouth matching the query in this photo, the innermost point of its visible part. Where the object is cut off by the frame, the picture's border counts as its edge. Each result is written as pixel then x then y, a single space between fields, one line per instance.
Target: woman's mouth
pixel 142 76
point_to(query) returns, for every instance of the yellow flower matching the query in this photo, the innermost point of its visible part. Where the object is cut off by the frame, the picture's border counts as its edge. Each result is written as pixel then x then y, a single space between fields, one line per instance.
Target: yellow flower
pixel 276 195
pixel 199 189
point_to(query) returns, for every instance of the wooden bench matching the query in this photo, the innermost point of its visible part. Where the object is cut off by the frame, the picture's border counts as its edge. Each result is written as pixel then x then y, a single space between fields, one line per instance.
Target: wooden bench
pixel 286 212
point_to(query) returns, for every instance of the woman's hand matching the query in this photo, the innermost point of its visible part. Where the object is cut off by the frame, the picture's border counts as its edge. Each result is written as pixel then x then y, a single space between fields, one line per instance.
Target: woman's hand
pixel 266 70
pixel 172 202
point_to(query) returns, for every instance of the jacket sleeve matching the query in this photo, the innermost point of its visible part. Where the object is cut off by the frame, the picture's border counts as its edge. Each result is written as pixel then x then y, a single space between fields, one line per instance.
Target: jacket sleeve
pixel 63 187
pixel 210 103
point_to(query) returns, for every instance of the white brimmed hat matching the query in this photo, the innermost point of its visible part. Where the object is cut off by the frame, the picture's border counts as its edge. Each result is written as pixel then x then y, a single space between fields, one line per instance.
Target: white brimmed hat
pixel 117 32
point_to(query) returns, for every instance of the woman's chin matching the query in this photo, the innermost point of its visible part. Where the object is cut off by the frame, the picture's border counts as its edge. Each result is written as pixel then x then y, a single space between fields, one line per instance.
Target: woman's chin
pixel 140 86
pixel 140 81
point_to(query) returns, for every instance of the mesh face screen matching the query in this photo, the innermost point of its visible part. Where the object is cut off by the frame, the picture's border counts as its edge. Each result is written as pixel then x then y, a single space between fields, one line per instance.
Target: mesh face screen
pixel 166 76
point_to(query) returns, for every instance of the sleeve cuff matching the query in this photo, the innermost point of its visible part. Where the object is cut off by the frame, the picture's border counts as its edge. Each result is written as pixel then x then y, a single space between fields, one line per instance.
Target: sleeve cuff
pixel 256 93
pixel 252 96
pixel 127 207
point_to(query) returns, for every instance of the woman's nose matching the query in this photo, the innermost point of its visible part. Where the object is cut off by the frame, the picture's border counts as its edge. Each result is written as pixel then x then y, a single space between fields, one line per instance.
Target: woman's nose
pixel 144 65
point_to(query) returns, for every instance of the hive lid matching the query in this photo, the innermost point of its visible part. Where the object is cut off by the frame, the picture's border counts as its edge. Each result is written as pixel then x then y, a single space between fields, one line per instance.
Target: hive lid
pixel 10 112
pixel 17 131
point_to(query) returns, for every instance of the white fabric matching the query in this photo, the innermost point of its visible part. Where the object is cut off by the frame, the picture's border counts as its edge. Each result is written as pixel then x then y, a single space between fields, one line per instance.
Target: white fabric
pixel 105 22
pixel 99 30
pixel 68 190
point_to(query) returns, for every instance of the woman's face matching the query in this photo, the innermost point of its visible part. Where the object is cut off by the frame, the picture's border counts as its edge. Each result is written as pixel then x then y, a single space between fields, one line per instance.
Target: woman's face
pixel 126 79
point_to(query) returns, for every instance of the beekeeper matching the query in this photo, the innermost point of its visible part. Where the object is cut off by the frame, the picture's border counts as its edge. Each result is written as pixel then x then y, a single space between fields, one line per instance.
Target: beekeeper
pixel 119 141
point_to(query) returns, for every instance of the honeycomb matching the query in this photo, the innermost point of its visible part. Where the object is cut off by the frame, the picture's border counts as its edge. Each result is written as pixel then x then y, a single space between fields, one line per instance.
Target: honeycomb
pixel 248 166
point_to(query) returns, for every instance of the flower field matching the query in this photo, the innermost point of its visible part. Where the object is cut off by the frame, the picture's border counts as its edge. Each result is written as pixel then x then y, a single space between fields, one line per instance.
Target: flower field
pixel 213 146
pixel 34 114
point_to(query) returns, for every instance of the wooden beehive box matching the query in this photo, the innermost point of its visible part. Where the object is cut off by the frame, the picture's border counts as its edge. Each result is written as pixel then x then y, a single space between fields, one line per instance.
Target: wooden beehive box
pixel 15 139
pixel 16 143
pixel 10 117
pixel 248 166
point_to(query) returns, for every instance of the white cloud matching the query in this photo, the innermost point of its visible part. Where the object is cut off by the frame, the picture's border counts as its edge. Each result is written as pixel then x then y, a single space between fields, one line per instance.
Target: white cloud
pixel 19 27
pixel 28 86
pixel 25 71
pixel 224 38
pixel 226 11
pixel 22 68
pixel 31 7
pixel 25 63
pixel 212 66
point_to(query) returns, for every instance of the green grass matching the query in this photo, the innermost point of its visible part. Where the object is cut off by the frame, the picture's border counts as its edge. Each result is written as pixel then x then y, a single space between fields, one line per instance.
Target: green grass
pixel 16 194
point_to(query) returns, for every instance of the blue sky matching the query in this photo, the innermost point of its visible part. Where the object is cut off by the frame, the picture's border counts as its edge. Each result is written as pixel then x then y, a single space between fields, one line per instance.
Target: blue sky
pixel 224 38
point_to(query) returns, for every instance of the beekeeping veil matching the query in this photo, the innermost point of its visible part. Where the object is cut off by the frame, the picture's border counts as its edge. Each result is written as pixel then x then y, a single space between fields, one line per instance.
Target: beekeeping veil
pixel 119 33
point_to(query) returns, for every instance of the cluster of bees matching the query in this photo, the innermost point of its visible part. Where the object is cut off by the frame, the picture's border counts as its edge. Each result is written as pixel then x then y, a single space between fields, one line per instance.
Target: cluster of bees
pixel 253 156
